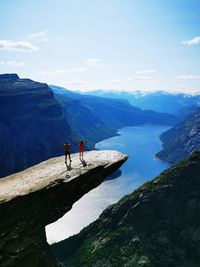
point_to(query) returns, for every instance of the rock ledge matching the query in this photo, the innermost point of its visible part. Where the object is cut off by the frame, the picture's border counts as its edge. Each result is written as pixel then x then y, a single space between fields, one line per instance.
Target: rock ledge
pixel 31 199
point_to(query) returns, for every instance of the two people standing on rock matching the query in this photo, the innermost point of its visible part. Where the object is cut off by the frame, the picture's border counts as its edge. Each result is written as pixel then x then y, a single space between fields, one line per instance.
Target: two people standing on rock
pixel 67 150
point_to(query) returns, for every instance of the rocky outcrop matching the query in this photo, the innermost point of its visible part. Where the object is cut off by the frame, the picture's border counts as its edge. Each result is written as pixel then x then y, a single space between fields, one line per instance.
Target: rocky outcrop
pixel 32 125
pixel 158 225
pixel 31 199
pixel 181 140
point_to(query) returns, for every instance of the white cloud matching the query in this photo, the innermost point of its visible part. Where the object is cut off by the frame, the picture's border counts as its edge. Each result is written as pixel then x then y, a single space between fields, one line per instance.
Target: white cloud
pixel 86 65
pixel 76 83
pixel 195 40
pixel 145 71
pixel 21 46
pixel 93 62
pixel 141 78
pixel 188 77
pixel 12 63
pixel 131 79
pixel 62 71
pixel 40 36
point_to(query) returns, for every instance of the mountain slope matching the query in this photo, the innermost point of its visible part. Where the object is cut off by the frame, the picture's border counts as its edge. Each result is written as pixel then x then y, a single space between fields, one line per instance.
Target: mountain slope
pixel 183 113
pixel 159 101
pixel 157 225
pixel 85 124
pixel 181 140
pixel 32 126
pixel 116 113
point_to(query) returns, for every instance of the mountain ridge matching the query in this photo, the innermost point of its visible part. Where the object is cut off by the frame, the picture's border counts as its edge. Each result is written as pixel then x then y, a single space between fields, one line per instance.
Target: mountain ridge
pixel 116 113
pixel 182 139
pixel 160 101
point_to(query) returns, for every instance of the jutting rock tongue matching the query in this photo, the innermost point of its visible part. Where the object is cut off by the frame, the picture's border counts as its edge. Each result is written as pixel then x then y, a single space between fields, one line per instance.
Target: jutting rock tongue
pixel 40 195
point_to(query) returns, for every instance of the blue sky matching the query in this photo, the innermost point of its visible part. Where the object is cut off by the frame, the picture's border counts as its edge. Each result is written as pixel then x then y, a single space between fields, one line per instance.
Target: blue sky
pixel 103 44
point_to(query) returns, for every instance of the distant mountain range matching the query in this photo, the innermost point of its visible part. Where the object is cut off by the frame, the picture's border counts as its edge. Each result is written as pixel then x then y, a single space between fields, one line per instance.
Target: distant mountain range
pixel 35 121
pixel 181 140
pixel 157 225
pixel 160 101
pixel 114 113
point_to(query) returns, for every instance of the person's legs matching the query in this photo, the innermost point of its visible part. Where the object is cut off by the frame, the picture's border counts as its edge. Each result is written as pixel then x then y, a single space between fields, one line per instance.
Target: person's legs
pixel 67 154
pixel 81 152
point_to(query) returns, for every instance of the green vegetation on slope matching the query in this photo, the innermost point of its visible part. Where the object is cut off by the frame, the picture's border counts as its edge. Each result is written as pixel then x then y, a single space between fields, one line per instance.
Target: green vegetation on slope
pixel 181 140
pixel 158 225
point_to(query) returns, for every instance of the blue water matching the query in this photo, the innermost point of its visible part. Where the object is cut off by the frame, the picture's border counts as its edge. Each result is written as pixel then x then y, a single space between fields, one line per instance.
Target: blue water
pixel 141 144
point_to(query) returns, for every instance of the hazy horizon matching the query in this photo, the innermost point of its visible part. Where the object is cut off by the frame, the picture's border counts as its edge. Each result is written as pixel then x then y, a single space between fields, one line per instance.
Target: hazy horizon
pixel 86 45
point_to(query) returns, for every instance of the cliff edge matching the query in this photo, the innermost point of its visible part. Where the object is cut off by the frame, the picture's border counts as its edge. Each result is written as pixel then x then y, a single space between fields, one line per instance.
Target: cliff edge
pixel 31 199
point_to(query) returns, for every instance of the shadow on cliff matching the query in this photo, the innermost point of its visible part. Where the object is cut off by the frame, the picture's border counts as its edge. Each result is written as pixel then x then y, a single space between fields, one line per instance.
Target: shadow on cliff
pixel 84 163
pixel 114 175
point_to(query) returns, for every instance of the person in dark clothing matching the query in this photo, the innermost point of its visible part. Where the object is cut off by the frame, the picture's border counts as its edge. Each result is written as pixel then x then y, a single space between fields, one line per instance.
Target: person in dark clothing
pixel 67 148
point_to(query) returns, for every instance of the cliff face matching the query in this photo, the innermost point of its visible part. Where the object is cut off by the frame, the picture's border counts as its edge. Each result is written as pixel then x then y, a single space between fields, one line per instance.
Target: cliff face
pixel 157 225
pixel 83 121
pixel 181 140
pixel 32 126
pixel 33 198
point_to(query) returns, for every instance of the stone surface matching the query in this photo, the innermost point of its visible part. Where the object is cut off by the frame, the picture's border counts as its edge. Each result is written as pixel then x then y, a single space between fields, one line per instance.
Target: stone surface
pixel 33 198
pixel 53 172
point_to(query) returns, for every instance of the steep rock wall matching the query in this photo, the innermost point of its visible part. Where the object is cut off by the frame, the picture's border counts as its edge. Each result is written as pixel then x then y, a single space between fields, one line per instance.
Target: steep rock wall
pixel 32 126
